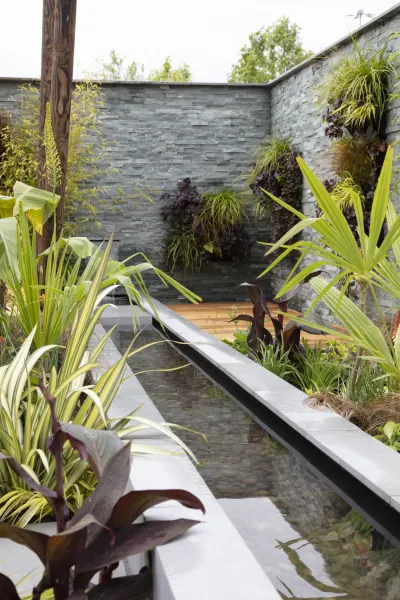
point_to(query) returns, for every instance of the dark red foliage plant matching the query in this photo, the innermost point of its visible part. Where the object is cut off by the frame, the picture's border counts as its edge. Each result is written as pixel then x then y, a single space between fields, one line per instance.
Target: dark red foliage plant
pixel 288 336
pixel 103 531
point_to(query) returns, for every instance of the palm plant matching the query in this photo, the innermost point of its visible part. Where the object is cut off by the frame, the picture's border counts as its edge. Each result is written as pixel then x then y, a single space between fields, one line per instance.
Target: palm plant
pixel 335 244
pixel 364 259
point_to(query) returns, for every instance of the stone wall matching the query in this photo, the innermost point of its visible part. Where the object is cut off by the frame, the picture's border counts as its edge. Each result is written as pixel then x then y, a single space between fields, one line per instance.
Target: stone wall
pixel 163 133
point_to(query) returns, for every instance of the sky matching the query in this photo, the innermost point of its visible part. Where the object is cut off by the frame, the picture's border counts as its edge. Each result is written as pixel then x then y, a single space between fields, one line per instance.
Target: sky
pixel 207 35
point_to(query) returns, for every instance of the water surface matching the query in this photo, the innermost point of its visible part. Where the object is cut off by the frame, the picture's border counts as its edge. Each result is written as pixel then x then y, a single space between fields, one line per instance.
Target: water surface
pixel 307 539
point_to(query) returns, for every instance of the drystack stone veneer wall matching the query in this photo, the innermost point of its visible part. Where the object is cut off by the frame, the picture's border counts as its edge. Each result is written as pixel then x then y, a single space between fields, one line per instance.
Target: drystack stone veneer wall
pixel 208 132
pixel 165 132
pixel 168 132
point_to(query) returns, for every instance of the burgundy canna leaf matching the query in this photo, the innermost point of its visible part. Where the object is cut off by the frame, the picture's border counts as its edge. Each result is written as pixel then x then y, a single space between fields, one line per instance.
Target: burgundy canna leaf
pixel 8 590
pixel 65 548
pixel 129 540
pixel 35 541
pixel 109 490
pixel 134 504
pixel 243 317
pixel 94 445
pixel 123 588
pixel 78 595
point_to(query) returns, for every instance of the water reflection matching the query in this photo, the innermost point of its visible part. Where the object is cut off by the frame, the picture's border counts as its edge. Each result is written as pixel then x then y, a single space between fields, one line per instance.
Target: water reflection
pixel 307 539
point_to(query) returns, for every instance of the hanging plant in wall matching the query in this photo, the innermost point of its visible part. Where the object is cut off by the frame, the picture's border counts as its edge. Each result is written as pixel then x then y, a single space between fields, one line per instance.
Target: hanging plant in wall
pixel 354 98
pixel 277 172
pixel 204 228
pixel 355 94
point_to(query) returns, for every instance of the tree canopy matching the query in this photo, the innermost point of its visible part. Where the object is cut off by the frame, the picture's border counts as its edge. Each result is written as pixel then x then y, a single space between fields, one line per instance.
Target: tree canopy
pixel 167 73
pixel 115 68
pixel 270 52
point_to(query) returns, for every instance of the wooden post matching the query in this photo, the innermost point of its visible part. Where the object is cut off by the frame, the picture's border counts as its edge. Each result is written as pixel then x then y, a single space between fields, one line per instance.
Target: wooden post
pixel 45 89
pixel 61 88
pixel 45 78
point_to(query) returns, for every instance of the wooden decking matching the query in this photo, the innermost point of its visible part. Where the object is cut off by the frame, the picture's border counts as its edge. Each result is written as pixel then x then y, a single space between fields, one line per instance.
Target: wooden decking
pixel 214 318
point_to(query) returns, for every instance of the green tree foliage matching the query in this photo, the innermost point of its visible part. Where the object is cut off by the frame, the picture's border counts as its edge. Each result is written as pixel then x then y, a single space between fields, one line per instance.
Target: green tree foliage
pixel 270 52
pixel 167 73
pixel 116 69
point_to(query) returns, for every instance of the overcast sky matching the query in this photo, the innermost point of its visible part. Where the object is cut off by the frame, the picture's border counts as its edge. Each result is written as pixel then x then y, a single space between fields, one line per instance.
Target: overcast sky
pixel 207 34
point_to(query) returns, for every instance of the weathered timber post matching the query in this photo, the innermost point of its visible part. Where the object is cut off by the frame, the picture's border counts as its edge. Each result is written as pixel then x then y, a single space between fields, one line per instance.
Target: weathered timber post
pixel 61 91
pixel 45 90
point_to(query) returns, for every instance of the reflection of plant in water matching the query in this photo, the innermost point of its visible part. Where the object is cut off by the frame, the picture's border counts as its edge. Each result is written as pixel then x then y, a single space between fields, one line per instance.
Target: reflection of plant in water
pixel 212 391
pixel 255 433
pixel 303 571
pixel 362 560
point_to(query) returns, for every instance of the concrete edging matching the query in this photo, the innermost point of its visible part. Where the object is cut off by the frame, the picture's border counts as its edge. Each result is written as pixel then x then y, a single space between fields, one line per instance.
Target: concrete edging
pixel 212 560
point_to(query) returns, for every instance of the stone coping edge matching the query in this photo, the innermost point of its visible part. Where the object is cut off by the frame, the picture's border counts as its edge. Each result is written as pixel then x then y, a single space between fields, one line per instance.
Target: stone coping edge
pixel 364 457
pixel 212 560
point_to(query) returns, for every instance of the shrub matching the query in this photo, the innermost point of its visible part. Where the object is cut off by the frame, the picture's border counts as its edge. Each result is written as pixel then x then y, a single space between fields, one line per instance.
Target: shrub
pixel 203 227
pixel 277 172
pixel 87 153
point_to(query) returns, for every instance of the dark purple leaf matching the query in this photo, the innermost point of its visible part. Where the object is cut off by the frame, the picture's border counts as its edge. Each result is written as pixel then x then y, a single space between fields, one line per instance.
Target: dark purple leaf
pixel 243 317
pixel 275 322
pixel 64 549
pixel 253 291
pixel 94 445
pixel 313 330
pixel 296 289
pixel 134 504
pixel 35 541
pixel 129 540
pixel 267 337
pixel 291 338
pixel 109 490
pixel 123 588
pixel 8 590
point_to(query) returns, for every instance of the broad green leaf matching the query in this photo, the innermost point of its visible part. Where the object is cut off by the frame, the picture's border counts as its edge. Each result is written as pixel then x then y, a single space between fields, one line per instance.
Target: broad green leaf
pixel 389 429
pixel 8 245
pixel 38 204
pixel 6 206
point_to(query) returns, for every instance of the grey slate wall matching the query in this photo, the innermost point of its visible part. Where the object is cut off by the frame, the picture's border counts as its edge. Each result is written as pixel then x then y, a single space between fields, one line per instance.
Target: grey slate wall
pixel 295 115
pixel 165 132
pixel 168 132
